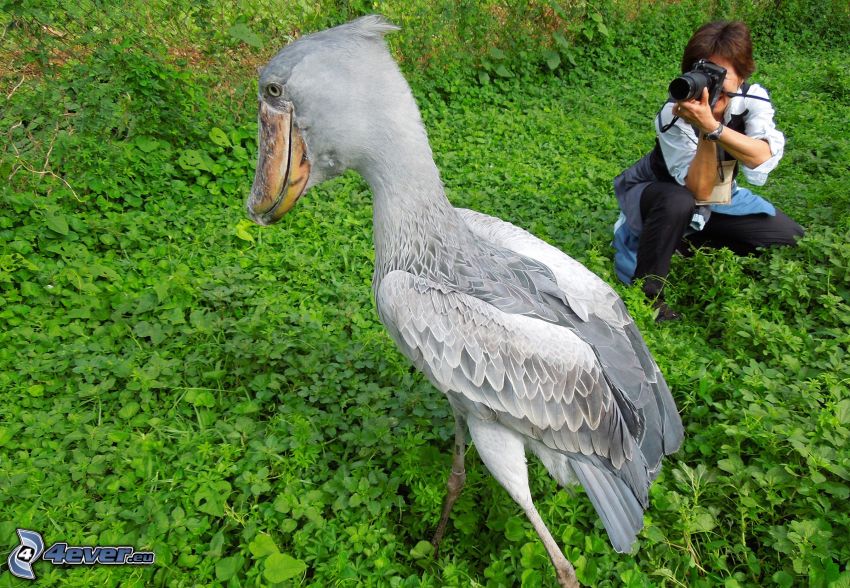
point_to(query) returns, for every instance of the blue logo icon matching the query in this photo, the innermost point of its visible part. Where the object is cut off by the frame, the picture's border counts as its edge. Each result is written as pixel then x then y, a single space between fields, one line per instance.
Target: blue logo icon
pixel 27 553
pixel 32 550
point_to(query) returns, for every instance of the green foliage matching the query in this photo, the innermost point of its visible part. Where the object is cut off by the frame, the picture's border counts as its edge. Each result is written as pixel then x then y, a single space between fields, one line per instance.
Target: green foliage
pixel 175 378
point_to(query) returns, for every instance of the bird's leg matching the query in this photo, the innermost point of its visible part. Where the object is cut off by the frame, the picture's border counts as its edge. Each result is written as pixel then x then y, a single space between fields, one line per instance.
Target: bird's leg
pixel 563 568
pixel 503 452
pixel 456 480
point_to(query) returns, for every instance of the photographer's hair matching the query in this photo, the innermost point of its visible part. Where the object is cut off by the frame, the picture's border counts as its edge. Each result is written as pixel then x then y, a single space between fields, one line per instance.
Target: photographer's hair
pixel 729 39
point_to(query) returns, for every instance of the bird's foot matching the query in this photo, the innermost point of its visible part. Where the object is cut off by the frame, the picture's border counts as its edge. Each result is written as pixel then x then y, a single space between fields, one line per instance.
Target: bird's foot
pixel 435 543
pixel 438 537
pixel 567 579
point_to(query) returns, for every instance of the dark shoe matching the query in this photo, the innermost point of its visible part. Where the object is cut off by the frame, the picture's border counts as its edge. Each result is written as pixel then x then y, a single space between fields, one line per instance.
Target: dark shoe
pixel 665 313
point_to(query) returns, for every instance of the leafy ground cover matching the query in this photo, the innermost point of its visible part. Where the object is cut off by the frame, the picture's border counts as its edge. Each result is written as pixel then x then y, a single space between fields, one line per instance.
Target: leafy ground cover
pixel 174 378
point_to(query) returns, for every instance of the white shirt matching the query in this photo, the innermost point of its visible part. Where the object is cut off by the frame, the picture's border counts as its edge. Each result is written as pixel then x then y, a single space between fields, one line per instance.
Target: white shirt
pixel 679 143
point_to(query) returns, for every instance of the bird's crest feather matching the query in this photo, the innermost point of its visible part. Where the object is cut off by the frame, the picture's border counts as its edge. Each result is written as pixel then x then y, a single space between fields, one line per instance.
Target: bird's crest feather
pixel 371 26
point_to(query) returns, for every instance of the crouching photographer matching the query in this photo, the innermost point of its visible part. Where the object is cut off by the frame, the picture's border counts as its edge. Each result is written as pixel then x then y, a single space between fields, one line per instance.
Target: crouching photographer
pixel 683 193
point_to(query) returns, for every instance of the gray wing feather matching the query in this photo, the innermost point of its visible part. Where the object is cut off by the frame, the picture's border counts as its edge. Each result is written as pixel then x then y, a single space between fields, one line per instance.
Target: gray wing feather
pixel 601 319
pixel 537 377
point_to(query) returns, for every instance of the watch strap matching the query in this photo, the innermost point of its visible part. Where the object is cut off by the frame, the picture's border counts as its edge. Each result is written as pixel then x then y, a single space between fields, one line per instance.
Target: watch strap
pixel 715 134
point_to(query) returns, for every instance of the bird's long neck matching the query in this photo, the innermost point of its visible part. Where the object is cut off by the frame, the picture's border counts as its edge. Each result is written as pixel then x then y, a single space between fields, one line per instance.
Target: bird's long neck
pixel 414 223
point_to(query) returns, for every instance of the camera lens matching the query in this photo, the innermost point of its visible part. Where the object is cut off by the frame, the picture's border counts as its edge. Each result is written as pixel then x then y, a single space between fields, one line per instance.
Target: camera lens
pixel 688 86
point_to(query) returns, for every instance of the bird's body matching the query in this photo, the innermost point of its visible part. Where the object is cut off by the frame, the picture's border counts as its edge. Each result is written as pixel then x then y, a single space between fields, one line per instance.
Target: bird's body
pixel 533 351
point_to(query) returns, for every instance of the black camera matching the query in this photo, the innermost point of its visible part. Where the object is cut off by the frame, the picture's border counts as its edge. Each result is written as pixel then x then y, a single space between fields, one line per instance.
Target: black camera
pixel 704 74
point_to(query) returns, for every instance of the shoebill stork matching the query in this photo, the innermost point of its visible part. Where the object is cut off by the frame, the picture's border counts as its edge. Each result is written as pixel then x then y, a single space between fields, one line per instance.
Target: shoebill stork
pixel 533 351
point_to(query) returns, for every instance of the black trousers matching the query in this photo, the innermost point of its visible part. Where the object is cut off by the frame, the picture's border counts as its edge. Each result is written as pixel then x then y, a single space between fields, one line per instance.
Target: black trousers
pixel 666 209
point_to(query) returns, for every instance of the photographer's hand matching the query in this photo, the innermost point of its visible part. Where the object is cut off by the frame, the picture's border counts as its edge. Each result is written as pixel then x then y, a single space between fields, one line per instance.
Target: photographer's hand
pixel 699 112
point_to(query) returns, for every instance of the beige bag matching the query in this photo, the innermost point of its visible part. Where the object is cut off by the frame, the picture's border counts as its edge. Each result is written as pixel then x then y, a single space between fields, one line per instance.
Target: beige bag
pixel 722 192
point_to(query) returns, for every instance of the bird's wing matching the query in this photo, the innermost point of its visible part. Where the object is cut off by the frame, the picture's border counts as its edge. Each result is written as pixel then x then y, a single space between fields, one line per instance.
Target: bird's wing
pixel 534 376
pixel 609 329
pixel 586 292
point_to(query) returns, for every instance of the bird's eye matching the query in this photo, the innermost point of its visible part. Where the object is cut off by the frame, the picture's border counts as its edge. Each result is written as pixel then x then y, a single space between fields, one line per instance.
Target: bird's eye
pixel 274 90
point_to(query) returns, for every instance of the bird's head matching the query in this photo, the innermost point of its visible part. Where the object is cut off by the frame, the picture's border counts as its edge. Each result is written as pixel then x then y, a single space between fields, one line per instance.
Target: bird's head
pixel 326 103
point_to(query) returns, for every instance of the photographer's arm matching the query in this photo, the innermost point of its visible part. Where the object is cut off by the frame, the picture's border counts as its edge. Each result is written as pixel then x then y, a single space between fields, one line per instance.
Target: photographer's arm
pixel 749 151
pixel 702 172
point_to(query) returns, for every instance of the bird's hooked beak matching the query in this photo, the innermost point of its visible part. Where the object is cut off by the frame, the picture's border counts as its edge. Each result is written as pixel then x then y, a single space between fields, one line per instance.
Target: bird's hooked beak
pixel 282 166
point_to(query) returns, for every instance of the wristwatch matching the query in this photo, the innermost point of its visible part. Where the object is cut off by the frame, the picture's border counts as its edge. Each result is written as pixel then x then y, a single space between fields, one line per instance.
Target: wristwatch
pixel 715 134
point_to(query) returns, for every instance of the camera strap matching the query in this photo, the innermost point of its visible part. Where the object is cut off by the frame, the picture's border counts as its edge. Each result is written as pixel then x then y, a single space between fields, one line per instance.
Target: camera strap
pixel 745 87
pixel 721 157
pixel 668 126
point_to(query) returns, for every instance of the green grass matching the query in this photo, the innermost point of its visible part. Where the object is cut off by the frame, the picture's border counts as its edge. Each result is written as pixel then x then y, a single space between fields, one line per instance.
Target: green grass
pixel 174 378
